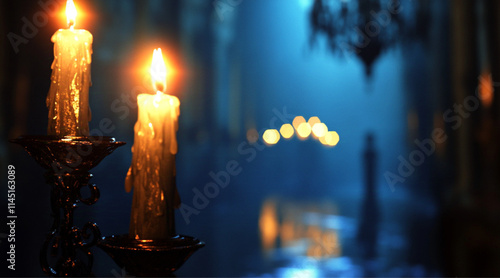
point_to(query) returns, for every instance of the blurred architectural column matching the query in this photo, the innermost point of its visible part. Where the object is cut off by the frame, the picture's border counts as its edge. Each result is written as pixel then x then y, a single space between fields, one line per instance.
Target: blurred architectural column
pixel 196 44
pixel 226 69
pixel 464 79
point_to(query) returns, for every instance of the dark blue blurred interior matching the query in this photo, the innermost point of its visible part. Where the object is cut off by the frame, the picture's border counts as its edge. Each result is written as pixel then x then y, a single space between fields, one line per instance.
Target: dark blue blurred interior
pixel 412 188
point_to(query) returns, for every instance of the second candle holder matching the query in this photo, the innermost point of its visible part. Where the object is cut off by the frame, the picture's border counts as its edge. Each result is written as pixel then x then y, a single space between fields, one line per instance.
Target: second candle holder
pixel 150 258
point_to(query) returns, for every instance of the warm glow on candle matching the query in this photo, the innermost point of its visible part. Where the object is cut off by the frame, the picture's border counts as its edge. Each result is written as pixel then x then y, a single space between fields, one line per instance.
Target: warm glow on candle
pixel 68 97
pixel 152 171
pixel 158 71
pixel 157 99
pixel 71 13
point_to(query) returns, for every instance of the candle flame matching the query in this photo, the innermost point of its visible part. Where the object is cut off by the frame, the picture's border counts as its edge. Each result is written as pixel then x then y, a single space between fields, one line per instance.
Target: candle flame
pixel 70 13
pixel 158 71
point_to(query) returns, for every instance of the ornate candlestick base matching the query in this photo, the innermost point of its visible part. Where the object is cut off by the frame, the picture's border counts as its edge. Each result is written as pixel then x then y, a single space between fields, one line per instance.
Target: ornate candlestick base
pixel 150 258
pixel 68 159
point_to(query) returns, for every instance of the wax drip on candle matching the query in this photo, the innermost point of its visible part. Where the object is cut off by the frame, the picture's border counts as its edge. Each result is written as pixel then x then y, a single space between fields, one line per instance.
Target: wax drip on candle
pixel 67 100
pixel 152 171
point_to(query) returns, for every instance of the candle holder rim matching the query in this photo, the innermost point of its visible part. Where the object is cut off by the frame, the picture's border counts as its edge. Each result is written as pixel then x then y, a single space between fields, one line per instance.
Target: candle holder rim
pixel 68 154
pixel 160 258
pixel 66 139
pixel 125 242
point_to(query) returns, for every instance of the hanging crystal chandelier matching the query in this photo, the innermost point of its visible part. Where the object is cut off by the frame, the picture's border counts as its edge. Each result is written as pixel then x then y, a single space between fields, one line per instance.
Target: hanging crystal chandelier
pixel 368 28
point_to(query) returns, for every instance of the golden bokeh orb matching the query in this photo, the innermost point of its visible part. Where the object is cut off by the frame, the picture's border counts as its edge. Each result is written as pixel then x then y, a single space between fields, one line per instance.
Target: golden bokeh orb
pixel 313 120
pixel 319 130
pixel 271 136
pixel 297 121
pixel 332 138
pixel 287 131
pixel 304 130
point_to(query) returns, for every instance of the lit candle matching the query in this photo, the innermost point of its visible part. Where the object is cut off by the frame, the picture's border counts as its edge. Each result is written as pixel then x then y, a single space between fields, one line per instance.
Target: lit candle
pixel 68 97
pixel 152 172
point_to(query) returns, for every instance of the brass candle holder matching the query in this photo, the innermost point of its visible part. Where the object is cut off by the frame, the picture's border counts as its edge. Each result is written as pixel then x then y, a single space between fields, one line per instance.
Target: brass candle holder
pixel 66 250
pixel 150 258
pixel 68 160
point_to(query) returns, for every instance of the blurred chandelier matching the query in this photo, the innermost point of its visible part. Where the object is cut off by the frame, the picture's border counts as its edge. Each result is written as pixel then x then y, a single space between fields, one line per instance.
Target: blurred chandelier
pixel 367 28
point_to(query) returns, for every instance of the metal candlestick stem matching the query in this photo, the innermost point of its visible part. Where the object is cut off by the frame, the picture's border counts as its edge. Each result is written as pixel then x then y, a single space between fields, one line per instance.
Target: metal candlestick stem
pixel 68 161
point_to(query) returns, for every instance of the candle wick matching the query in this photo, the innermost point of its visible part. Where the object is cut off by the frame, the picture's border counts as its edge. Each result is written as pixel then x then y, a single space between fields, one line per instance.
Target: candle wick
pixel 71 24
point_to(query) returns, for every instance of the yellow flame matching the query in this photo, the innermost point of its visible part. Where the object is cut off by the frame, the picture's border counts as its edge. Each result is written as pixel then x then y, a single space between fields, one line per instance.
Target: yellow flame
pixel 71 13
pixel 304 130
pixel 319 129
pixel 158 71
pixel 286 131
pixel 271 136
pixel 297 121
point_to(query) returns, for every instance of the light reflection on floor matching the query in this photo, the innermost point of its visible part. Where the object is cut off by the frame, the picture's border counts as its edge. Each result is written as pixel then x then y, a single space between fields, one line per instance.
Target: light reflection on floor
pixel 315 240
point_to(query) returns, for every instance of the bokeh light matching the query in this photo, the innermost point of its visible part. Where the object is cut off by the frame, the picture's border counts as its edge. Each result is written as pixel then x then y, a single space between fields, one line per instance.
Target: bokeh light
pixel 313 120
pixel 286 131
pixel 252 135
pixel 297 121
pixel 486 89
pixel 268 225
pixel 313 127
pixel 271 136
pixel 304 130
pixel 332 138
pixel 323 140
pixel 319 130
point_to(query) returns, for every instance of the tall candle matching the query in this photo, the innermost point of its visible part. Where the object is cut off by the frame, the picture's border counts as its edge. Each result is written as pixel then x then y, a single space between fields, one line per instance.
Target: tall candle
pixel 152 172
pixel 67 100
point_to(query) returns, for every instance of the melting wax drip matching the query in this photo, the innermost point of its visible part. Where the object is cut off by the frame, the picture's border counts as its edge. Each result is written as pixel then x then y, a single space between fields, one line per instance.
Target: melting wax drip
pixel 67 100
pixel 152 172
